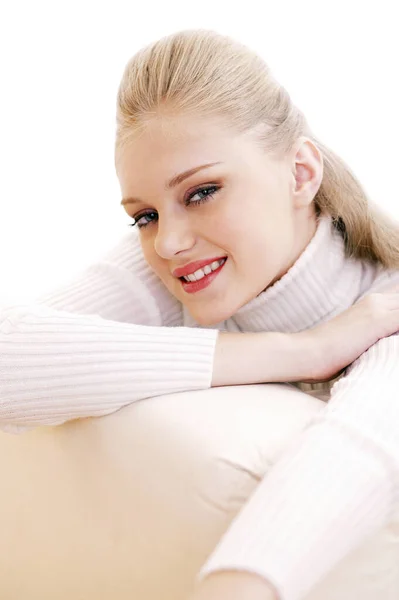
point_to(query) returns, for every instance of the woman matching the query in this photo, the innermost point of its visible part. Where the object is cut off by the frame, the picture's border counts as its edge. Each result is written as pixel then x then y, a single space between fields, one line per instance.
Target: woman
pixel 257 258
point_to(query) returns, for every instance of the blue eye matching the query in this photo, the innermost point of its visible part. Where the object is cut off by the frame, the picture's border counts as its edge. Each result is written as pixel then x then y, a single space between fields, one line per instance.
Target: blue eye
pixel 137 220
pixel 208 192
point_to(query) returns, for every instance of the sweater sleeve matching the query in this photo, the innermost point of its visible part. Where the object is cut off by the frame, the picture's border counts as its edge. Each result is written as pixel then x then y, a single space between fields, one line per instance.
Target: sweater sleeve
pixel 111 336
pixel 336 484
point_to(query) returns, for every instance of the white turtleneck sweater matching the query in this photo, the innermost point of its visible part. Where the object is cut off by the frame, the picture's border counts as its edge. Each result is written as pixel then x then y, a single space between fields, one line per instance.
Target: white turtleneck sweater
pixel 115 335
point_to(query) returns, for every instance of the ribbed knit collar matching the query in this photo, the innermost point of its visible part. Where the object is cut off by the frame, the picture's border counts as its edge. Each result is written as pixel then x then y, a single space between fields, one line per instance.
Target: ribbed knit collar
pixel 320 284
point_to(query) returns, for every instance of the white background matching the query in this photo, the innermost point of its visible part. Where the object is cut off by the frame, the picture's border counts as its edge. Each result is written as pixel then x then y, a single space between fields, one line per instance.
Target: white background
pixel 61 63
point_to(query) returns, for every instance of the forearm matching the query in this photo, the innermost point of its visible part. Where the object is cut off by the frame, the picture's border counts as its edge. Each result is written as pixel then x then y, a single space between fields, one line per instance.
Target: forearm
pixel 320 501
pixel 75 366
pixel 266 357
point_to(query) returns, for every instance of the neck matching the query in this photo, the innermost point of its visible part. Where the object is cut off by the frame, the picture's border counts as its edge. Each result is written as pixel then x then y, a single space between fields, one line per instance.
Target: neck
pixel 307 228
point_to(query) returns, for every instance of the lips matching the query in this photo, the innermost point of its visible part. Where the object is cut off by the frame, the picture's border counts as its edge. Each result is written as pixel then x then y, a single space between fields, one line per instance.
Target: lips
pixel 194 266
pixel 192 287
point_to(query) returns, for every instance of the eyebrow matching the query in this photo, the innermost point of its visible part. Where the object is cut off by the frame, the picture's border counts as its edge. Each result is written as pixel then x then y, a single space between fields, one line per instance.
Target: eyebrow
pixel 176 180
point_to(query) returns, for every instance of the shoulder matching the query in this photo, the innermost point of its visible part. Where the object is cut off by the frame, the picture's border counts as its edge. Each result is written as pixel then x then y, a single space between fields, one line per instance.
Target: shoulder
pixel 118 285
pixel 380 279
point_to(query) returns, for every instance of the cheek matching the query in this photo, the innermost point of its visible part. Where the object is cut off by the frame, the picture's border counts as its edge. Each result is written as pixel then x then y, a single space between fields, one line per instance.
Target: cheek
pixel 158 265
pixel 151 256
pixel 230 231
pixel 259 250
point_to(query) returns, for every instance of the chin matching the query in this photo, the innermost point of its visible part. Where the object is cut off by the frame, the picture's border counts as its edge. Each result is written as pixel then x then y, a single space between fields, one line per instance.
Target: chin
pixel 211 318
pixel 204 322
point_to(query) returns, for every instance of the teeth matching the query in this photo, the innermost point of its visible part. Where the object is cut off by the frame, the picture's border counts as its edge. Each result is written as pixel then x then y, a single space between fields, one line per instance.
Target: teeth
pixel 200 273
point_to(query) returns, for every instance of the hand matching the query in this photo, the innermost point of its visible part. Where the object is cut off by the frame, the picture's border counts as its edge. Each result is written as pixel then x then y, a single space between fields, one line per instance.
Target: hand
pixel 340 341
pixel 233 585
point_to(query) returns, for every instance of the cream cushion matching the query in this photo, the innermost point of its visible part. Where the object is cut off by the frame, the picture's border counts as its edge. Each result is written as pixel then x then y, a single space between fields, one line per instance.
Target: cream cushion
pixel 130 505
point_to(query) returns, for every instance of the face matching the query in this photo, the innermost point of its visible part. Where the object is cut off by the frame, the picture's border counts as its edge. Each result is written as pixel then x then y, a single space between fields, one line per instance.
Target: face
pixel 247 209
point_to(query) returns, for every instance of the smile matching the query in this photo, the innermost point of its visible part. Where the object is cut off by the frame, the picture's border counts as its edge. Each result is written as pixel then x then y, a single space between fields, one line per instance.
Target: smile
pixel 200 273
pixel 202 278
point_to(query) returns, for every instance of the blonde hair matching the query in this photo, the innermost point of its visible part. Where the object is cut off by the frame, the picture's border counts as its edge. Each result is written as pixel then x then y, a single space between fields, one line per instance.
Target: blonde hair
pixel 203 73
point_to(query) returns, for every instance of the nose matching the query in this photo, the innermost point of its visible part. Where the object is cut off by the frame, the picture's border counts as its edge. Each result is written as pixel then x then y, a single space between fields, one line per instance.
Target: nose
pixel 173 236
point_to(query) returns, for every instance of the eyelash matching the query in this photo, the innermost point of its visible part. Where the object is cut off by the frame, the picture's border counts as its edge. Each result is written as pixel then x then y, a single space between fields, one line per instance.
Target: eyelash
pixel 187 203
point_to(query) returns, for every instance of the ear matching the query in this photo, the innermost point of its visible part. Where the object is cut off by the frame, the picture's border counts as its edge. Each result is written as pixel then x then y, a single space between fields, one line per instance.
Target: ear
pixel 307 171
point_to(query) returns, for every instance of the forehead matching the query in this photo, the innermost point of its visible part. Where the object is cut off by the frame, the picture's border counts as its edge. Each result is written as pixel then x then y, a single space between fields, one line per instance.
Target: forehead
pixel 173 145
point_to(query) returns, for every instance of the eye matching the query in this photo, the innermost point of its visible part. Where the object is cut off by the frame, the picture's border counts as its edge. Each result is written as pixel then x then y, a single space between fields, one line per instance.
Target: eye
pixel 145 219
pixel 203 190
pixel 138 219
